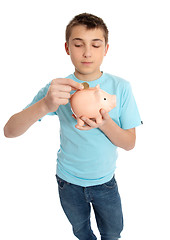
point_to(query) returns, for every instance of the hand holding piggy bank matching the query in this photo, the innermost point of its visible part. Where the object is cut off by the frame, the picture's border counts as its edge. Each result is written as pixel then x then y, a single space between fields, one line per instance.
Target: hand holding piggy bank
pixel 88 102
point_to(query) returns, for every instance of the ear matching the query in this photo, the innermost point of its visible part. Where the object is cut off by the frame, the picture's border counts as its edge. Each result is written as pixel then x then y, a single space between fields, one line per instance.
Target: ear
pixel 106 49
pixel 66 48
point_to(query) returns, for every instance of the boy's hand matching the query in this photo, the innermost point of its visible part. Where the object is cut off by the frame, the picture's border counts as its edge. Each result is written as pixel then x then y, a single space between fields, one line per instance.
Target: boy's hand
pixel 91 123
pixel 59 93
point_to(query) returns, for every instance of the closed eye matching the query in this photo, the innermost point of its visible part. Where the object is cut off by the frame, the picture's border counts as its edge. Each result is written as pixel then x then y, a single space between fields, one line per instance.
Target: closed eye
pixel 96 46
pixel 78 45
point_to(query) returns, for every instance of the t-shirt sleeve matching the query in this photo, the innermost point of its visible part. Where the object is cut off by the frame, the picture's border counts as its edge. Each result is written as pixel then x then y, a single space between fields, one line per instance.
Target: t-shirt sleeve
pixel 41 94
pixel 129 114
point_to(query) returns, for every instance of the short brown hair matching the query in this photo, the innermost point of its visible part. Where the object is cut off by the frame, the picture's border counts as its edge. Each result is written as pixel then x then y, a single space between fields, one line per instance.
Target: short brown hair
pixel 90 21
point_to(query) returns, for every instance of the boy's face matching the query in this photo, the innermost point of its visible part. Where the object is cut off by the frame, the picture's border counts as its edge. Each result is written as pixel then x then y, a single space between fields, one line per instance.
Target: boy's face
pixel 87 49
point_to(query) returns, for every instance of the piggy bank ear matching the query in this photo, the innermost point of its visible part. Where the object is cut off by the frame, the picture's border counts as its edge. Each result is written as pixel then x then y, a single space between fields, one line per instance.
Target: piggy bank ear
pixel 97 91
pixel 97 86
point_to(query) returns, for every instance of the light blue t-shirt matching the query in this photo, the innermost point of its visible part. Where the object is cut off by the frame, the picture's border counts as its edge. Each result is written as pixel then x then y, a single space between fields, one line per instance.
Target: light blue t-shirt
pixel 88 157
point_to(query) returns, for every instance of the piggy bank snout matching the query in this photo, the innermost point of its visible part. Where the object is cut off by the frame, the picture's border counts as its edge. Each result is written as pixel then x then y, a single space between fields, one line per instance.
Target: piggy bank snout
pixel 111 102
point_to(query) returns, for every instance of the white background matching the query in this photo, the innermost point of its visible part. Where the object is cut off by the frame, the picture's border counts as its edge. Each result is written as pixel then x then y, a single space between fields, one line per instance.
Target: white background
pixel 32 54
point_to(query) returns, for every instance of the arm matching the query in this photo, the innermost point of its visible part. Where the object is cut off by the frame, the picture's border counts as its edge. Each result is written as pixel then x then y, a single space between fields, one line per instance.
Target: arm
pixel 58 94
pixel 118 136
pixel 20 122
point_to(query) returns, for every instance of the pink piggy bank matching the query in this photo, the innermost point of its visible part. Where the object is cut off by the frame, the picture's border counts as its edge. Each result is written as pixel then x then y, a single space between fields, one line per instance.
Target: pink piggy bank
pixel 88 103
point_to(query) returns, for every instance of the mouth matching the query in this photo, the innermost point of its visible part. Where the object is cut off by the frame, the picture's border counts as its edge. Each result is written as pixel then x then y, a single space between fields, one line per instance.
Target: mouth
pixel 87 63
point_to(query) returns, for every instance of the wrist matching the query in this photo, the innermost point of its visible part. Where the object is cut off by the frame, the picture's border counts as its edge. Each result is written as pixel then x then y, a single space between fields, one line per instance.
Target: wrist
pixel 44 106
pixel 106 124
pixel 48 106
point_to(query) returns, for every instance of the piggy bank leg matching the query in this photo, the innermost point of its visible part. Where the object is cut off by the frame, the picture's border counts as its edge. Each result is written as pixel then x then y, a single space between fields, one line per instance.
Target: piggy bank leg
pixel 80 122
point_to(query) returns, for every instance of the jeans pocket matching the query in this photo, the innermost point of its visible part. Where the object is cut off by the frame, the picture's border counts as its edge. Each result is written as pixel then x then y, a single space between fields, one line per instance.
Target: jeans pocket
pixel 61 182
pixel 111 184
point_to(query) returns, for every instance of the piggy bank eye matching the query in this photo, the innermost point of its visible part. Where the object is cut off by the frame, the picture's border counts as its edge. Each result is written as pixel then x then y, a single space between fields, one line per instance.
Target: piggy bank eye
pixel 104 98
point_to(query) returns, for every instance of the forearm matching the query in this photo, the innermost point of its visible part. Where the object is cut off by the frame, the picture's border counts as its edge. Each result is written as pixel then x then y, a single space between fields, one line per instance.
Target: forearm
pixel 118 136
pixel 20 122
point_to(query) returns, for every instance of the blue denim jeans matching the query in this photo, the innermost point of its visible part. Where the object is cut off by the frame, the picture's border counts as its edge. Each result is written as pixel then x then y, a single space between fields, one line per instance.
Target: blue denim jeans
pixel 76 202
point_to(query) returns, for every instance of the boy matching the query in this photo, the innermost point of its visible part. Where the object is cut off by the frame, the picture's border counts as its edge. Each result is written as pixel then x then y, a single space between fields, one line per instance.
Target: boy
pixel 86 160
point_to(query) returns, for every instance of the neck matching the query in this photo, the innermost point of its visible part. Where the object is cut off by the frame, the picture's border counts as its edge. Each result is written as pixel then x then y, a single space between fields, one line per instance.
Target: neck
pixel 88 77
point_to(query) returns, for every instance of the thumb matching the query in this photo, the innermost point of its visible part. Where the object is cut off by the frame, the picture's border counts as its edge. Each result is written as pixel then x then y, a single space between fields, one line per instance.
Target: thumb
pixel 104 114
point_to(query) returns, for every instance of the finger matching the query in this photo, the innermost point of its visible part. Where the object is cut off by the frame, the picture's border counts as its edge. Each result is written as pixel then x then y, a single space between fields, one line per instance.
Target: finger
pixel 75 89
pixel 62 101
pixel 64 88
pixel 88 121
pixel 83 127
pixel 64 95
pixel 73 84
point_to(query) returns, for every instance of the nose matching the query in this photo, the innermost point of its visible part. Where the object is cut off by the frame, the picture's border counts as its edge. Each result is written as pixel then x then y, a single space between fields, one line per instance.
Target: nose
pixel 87 52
